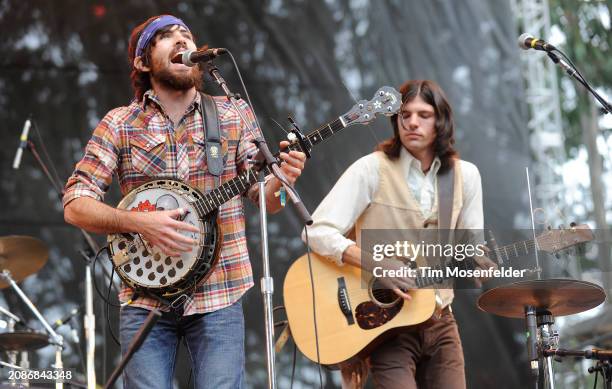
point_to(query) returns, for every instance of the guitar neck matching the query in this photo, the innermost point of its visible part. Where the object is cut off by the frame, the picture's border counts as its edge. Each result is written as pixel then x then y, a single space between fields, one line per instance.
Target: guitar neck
pixel 508 252
pixel 242 182
pixel 501 254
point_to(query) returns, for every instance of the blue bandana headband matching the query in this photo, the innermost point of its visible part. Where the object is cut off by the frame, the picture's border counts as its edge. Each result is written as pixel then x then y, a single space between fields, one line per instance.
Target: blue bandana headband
pixel 152 28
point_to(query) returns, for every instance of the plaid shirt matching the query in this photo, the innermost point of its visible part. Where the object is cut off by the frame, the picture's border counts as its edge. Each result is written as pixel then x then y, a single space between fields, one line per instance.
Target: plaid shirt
pixel 139 142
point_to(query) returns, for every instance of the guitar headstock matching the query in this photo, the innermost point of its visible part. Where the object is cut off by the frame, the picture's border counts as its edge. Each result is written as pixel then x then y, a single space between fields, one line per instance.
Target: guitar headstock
pixel 557 240
pixel 386 101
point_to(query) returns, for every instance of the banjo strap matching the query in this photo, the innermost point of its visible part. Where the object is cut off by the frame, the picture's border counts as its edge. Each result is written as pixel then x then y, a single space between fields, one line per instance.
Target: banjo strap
pixel 214 155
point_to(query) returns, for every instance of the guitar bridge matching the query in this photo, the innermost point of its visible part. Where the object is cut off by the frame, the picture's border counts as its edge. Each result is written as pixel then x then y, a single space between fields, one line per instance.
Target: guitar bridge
pixel 344 302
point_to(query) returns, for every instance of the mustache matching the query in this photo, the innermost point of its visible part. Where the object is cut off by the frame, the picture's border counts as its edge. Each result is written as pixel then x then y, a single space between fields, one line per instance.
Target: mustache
pixel 178 49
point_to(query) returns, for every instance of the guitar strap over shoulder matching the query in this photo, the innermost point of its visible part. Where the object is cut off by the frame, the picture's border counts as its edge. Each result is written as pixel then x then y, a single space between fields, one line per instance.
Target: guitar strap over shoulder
pixel 214 153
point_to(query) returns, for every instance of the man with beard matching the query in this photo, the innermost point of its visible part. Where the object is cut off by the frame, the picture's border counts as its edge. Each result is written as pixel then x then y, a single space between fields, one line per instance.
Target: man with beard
pixel 162 134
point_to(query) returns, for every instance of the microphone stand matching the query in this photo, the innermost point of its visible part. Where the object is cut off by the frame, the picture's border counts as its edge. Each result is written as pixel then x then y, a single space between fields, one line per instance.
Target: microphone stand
pixel 89 320
pixel 571 71
pixel 135 344
pixel 603 358
pixel 265 159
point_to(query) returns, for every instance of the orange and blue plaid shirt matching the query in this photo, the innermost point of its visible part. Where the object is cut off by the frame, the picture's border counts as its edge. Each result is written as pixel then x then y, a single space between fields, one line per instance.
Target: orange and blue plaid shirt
pixel 139 142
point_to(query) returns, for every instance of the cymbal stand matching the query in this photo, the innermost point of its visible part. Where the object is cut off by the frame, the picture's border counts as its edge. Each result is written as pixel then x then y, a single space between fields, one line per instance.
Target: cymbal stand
pixel 548 339
pixel 605 368
pixel 12 354
pixel 56 339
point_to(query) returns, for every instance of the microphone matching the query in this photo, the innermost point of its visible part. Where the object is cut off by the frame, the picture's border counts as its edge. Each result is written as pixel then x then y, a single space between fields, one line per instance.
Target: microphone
pixel 23 144
pixel 532 346
pixel 60 322
pixel 527 41
pixel 192 57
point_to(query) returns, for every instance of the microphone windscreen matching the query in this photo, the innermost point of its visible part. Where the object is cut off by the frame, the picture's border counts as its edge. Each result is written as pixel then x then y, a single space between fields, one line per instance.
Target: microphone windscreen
pixel 522 41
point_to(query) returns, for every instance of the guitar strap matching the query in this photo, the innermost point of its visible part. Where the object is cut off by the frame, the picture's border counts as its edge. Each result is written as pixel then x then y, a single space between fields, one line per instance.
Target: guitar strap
pixel 446 183
pixel 446 189
pixel 214 153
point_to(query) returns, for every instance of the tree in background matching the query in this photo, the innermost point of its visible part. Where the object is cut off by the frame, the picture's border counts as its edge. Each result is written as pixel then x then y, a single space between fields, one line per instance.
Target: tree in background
pixel 588 36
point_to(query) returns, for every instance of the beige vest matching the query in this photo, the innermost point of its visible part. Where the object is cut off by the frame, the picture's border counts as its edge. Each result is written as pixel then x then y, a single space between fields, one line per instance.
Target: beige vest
pixel 394 206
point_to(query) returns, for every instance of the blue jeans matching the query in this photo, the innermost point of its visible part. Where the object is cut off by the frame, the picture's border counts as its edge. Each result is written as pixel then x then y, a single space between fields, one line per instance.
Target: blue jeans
pixel 215 343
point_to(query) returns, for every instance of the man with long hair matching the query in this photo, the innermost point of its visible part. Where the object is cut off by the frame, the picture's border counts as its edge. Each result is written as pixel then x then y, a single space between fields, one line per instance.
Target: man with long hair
pixel 162 134
pixel 396 188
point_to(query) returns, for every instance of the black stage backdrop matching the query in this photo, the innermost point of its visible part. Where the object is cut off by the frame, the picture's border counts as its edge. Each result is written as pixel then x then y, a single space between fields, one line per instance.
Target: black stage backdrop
pixel 65 64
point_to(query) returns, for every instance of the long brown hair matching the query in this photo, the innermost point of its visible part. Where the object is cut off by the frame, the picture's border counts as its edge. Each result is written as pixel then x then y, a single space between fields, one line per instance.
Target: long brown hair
pixel 433 95
pixel 141 81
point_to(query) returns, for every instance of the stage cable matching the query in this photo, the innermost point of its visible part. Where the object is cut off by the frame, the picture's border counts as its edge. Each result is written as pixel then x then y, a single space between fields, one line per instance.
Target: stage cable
pixel 49 161
pixel 314 307
pixel 110 328
pixel 293 364
pixel 93 270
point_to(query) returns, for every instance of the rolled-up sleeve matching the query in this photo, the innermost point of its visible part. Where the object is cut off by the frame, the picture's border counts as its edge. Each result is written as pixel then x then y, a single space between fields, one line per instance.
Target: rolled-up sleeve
pixel 340 209
pixel 93 174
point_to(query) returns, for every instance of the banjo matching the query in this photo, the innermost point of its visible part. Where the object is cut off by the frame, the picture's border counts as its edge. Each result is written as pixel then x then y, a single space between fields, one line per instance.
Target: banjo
pixel 147 270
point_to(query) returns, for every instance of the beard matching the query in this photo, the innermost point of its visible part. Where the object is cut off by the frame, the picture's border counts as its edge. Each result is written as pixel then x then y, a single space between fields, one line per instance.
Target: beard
pixel 182 81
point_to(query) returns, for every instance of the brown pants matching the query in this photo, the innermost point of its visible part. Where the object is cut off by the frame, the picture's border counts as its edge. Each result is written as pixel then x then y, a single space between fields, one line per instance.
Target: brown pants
pixel 428 356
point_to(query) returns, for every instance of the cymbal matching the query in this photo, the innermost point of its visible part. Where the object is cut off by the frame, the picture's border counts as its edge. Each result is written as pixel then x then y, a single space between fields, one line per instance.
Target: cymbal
pixel 22 256
pixel 558 296
pixel 23 340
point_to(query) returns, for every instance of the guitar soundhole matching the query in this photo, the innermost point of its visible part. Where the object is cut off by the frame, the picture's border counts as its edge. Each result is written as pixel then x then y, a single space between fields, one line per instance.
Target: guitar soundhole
pixel 370 315
pixel 384 297
pixel 381 295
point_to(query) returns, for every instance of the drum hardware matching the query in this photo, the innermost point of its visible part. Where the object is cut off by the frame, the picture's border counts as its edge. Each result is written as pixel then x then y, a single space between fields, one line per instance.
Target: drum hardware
pixel 12 317
pixel 603 365
pixel 54 337
pixel 538 301
pixel 89 318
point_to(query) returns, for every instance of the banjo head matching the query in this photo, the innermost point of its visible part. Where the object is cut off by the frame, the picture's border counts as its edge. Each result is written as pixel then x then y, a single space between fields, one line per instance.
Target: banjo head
pixel 142 266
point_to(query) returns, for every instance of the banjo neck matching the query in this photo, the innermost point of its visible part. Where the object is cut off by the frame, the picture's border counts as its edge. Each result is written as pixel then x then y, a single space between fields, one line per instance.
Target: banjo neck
pixel 386 101
pixel 242 182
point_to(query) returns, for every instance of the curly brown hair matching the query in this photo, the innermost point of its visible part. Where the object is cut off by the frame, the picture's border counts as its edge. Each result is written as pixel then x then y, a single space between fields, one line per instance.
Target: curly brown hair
pixel 433 95
pixel 141 81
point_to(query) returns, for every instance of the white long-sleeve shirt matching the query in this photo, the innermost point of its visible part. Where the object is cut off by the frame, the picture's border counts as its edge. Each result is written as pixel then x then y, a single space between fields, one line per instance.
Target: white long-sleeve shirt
pixel 354 190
